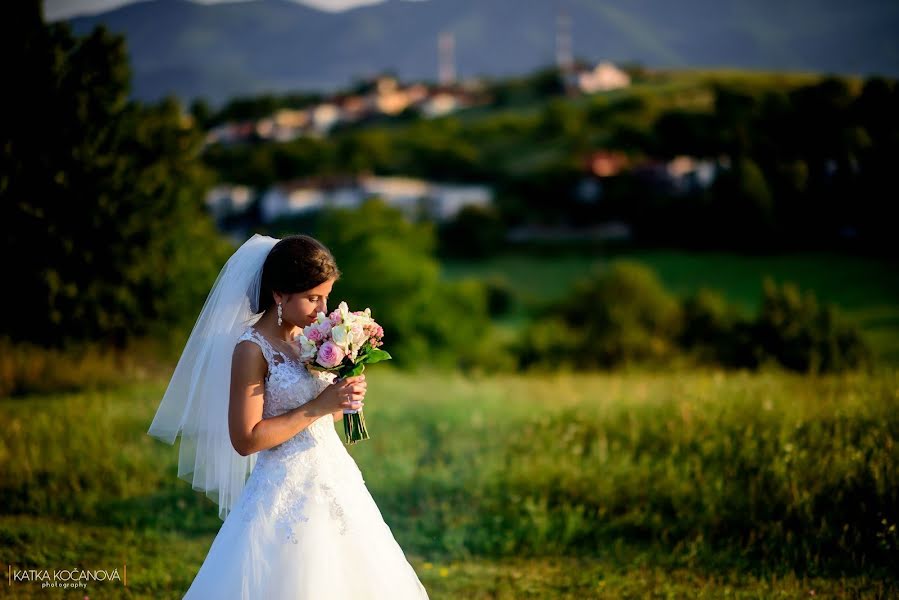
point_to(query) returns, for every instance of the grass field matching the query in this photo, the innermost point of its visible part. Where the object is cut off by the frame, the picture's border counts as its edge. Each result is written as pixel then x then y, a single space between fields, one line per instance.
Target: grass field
pixel 867 291
pixel 676 485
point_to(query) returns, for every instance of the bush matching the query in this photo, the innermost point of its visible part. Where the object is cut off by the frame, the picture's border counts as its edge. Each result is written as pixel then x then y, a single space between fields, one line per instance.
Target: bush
pixel 500 296
pixel 616 316
pixel 802 335
pixel 711 327
pixel 624 315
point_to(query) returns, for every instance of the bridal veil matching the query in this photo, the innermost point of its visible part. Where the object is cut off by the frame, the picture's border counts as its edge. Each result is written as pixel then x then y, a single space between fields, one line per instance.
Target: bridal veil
pixel 195 403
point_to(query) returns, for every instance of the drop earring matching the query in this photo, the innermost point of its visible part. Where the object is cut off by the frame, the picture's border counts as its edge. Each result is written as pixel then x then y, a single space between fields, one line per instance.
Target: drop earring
pixel 279 314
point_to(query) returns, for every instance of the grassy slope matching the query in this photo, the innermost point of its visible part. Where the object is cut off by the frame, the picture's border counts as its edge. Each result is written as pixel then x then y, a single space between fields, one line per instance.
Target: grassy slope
pixel 84 486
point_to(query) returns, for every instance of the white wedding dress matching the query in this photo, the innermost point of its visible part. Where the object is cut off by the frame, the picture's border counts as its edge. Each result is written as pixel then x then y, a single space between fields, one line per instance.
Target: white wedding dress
pixel 305 525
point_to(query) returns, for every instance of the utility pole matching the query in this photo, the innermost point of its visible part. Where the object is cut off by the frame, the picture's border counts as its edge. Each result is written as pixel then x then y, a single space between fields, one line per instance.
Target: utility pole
pixel 446 45
pixel 564 58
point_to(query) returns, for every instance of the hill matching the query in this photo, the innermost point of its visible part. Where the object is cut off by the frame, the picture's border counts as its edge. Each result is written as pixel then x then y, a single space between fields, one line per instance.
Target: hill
pixel 226 49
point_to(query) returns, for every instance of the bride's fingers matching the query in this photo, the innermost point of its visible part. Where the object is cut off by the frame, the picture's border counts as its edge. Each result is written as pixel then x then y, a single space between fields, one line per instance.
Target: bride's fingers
pixel 351 383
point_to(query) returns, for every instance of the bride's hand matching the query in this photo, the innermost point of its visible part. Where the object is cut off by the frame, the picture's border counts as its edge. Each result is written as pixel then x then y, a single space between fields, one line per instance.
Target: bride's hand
pixel 343 394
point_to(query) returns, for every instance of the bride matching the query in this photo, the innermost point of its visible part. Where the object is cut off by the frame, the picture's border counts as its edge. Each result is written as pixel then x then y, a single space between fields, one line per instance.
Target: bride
pixel 257 435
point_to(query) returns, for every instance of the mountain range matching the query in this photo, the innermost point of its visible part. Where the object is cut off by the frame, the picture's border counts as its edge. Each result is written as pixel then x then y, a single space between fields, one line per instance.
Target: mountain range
pixel 217 51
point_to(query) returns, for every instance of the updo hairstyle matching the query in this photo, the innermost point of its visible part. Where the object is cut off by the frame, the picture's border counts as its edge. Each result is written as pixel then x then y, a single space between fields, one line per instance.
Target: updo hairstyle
pixel 295 264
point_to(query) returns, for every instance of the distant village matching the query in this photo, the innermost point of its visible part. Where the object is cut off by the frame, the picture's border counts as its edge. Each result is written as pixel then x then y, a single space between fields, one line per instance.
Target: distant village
pixel 236 207
pixel 387 97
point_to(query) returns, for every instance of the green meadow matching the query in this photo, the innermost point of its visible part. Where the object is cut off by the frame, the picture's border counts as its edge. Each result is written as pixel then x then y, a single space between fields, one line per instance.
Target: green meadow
pixel 627 485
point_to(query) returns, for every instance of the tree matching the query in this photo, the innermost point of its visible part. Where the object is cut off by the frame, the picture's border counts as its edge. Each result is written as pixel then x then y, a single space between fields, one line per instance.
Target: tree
pixel 744 204
pixel 101 197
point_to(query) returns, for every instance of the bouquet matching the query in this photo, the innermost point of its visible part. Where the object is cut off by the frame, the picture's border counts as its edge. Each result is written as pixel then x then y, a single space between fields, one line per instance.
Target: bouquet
pixel 343 343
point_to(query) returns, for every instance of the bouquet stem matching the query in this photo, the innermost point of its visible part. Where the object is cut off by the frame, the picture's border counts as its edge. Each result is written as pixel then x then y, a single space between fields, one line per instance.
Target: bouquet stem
pixel 354 427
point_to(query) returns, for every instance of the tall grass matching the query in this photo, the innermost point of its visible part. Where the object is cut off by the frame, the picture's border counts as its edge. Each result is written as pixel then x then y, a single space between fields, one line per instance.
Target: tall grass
pixel 766 472
pixel 772 469
pixel 27 368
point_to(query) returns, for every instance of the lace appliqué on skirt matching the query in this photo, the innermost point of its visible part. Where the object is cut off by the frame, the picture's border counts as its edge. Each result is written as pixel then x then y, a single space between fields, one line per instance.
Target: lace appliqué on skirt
pixel 290 479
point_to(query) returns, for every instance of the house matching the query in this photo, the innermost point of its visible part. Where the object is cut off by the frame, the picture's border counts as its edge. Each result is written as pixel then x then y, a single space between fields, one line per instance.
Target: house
pixel 389 98
pixel 405 193
pixel 690 173
pixel 680 175
pixel 353 108
pixel 290 199
pixel 439 104
pixel 604 77
pixel 445 200
pixel 231 133
pixel 415 198
pixel 607 163
pixel 324 116
pixel 226 200
pixel 284 125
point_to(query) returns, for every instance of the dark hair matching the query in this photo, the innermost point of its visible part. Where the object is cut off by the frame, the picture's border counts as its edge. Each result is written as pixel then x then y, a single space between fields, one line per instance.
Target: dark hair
pixel 295 264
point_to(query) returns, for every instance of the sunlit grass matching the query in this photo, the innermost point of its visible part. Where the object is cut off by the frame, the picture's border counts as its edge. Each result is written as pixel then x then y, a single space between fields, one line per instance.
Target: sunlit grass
pixel 684 484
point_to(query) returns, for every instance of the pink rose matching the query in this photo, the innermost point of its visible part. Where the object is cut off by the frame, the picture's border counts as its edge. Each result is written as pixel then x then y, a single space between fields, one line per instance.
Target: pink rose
pixel 315 335
pixel 329 355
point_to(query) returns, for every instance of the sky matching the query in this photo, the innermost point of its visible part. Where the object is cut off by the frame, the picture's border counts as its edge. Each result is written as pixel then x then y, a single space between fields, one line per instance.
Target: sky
pixel 55 10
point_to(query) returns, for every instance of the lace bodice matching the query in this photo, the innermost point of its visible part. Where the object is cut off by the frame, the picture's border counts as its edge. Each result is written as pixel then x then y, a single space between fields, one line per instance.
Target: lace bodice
pixel 288 383
pixel 305 468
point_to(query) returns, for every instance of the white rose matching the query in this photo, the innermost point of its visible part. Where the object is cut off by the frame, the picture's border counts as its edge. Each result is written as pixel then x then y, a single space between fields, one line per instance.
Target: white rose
pixel 308 348
pixel 358 336
pixel 340 336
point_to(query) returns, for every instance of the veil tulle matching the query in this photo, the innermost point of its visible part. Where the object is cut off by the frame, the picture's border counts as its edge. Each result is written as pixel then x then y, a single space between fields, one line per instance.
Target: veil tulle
pixel 195 403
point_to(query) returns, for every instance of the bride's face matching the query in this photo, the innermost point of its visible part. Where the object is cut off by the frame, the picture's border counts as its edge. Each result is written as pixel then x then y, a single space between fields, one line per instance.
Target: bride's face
pixel 301 308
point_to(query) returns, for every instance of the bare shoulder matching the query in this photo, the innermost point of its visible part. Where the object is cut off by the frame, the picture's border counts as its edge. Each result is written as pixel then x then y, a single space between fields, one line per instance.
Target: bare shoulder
pixel 247 361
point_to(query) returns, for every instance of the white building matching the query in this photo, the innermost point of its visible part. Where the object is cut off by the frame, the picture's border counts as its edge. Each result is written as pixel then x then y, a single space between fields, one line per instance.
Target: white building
pixel 446 200
pixel 284 125
pixel 324 116
pixel 413 197
pixel 603 77
pixel 290 199
pixel 405 193
pixel 439 104
pixel 226 199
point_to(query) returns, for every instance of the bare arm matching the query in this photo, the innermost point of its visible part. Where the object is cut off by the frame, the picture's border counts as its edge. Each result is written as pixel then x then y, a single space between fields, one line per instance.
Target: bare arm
pixel 249 431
